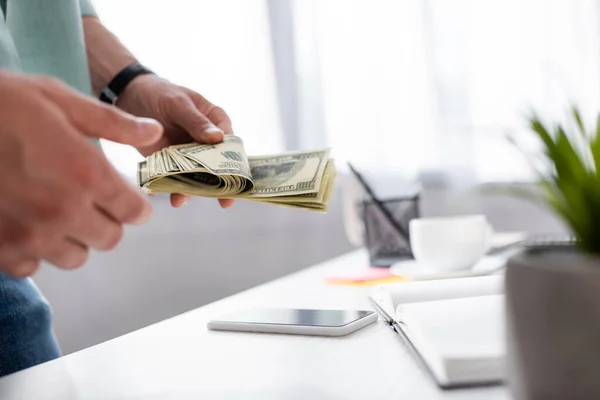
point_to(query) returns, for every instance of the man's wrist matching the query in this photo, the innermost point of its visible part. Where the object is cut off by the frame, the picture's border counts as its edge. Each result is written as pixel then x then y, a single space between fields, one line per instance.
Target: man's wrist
pixel 120 82
pixel 134 94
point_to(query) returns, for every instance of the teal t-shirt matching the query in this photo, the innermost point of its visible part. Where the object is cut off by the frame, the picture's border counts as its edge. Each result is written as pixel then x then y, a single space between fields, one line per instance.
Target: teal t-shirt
pixel 45 37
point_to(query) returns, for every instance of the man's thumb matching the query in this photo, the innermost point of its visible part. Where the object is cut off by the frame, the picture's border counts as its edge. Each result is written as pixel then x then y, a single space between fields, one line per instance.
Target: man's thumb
pixel 127 129
pixel 148 131
pixel 98 120
pixel 198 126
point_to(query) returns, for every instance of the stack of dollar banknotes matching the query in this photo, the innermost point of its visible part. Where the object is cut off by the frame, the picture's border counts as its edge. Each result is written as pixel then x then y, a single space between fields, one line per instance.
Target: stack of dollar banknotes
pixel 300 179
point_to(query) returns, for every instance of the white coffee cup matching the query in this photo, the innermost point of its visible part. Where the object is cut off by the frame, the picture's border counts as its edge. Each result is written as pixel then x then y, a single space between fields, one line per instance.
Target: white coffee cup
pixel 450 243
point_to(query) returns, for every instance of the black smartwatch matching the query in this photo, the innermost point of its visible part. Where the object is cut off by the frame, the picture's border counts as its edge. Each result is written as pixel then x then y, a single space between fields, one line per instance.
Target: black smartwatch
pixel 115 87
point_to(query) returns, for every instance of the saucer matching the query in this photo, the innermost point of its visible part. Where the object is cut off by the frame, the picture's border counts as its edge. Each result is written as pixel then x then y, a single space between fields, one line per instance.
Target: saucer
pixel 412 270
pixel 502 249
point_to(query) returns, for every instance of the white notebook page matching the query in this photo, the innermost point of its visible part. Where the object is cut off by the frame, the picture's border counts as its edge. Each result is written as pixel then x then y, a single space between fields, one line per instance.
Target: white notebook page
pixel 462 338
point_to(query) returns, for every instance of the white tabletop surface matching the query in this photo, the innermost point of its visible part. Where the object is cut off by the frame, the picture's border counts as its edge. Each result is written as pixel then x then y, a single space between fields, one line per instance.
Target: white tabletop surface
pixel 180 359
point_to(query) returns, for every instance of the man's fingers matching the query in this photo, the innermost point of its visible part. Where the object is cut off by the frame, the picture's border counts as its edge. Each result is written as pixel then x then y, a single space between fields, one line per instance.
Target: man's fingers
pixel 109 191
pixel 93 118
pixel 196 124
pixel 98 231
pixel 15 260
pixel 118 126
pixel 66 254
pixel 96 119
pixel 226 203
pixel 178 200
pixel 90 173
pixel 122 202
pixel 17 263
pixel 215 114
pixel 23 245
pixel 219 117
pixel 25 268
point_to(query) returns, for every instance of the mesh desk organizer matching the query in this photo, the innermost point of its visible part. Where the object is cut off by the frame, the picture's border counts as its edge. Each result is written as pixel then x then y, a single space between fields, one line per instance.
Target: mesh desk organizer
pixel 383 241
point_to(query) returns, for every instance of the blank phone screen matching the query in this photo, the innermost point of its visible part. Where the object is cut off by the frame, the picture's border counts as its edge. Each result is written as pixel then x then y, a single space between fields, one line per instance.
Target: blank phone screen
pixel 296 317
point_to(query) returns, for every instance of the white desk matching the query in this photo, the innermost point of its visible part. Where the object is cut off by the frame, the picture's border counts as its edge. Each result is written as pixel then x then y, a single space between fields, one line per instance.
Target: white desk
pixel 180 359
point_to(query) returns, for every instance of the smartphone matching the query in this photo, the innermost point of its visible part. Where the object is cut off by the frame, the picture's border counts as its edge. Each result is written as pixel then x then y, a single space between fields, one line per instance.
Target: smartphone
pixel 295 321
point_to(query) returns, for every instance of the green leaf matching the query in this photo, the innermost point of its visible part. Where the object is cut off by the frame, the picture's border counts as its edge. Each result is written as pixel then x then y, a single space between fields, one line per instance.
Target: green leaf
pixel 569 163
pixel 540 129
pixel 578 120
pixel 572 187
pixel 595 145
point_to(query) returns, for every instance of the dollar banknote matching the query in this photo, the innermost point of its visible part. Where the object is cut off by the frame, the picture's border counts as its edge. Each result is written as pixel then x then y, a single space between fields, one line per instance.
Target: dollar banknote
pixel 301 179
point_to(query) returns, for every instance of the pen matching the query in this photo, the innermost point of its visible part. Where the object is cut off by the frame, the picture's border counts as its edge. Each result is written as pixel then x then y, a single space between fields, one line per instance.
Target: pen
pixel 397 227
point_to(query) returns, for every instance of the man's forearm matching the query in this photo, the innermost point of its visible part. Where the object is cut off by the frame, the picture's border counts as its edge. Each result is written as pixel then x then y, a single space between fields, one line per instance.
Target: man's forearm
pixel 106 54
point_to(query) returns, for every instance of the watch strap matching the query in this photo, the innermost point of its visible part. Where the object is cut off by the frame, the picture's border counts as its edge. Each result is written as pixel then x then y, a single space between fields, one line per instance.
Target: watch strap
pixel 118 84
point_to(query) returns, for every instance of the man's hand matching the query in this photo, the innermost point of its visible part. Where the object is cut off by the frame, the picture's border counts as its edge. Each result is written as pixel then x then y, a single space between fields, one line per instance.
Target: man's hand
pixel 185 115
pixel 59 195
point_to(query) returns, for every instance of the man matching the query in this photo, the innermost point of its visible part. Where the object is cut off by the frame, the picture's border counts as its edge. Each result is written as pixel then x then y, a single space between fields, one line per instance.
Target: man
pixel 58 196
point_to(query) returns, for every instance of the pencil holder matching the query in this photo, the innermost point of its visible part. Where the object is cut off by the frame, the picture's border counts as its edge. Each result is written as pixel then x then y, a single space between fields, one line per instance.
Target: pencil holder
pixel 383 241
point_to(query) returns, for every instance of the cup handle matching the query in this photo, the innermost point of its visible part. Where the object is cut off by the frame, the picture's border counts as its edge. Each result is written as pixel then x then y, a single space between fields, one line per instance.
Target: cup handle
pixel 489 233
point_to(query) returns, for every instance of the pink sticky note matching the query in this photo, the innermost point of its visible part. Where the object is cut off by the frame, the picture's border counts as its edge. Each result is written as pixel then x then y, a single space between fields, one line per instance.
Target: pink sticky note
pixel 368 276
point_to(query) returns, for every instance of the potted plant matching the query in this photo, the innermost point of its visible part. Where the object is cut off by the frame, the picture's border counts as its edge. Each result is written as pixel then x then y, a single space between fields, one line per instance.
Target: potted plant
pixel 553 294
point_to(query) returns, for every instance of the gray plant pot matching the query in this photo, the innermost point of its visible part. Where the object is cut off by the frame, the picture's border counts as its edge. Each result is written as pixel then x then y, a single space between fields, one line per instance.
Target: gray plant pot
pixel 553 325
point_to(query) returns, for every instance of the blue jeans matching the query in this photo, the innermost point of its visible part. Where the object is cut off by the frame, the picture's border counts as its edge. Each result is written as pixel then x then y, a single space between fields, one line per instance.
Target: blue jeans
pixel 26 336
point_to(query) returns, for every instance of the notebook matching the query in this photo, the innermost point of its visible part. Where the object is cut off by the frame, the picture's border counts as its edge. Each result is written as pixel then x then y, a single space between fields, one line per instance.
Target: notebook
pixel 454 327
